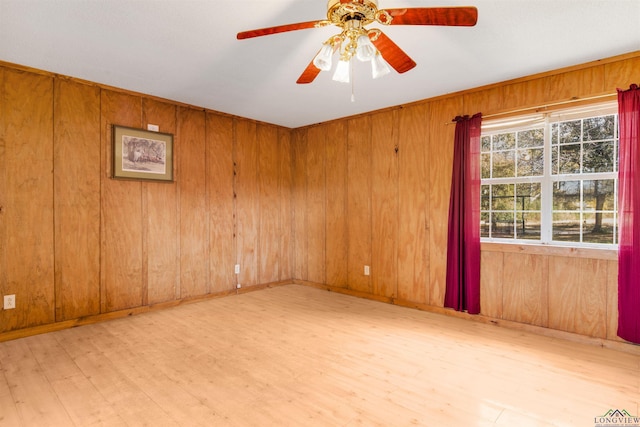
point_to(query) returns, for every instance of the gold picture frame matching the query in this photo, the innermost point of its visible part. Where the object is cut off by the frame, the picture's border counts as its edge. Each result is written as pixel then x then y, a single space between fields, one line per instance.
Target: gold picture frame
pixel 142 155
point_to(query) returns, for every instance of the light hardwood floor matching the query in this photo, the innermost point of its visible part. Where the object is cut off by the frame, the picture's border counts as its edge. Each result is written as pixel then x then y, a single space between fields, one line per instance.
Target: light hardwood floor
pixel 299 356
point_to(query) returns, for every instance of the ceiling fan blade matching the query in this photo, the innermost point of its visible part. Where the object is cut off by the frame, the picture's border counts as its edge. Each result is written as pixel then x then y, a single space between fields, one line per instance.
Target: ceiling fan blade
pixel 391 52
pixel 279 29
pixel 309 74
pixel 453 16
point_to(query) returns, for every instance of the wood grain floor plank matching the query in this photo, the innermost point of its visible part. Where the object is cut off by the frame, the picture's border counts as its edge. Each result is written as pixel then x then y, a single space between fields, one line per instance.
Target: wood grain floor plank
pixel 121 393
pixel 9 415
pixel 81 399
pixel 33 396
pixel 183 406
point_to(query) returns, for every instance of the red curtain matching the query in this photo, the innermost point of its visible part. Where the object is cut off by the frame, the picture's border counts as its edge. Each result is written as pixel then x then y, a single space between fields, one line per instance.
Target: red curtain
pixel 463 244
pixel 629 215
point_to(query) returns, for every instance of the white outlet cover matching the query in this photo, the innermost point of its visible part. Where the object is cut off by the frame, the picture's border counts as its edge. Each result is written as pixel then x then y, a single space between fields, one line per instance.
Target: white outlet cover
pixel 9 302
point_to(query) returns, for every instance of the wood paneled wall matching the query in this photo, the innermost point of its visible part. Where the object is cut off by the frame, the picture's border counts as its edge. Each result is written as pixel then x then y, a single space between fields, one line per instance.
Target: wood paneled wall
pixel 75 243
pixel 314 204
pixel 374 190
pixel 26 173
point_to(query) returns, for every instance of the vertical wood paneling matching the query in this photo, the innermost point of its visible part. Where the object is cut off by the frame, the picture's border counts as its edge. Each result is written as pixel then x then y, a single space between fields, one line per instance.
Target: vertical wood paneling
pixel 384 204
pixel 491 282
pixel 621 74
pixel 286 205
pixel 26 188
pixel 359 202
pixel 316 195
pixel 4 189
pixel 612 300
pixel 268 187
pixel 247 202
pixel 413 263
pixel 194 216
pixel 221 201
pixel 160 204
pixel 567 85
pixel 578 295
pixel 484 100
pixel 440 160
pixel 336 204
pixel 299 194
pixel 77 199
pixel 156 238
pixel 525 294
pixel 122 223
pixel 529 93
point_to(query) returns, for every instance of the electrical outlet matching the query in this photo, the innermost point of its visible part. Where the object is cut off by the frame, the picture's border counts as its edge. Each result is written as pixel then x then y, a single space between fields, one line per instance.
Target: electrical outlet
pixel 238 286
pixel 366 270
pixel 9 302
pixel 237 269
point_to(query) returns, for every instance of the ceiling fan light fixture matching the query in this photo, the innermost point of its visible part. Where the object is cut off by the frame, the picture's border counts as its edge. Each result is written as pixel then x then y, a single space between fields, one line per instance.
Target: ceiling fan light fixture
pixel 379 66
pixel 323 59
pixel 342 71
pixel 352 17
pixel 365 51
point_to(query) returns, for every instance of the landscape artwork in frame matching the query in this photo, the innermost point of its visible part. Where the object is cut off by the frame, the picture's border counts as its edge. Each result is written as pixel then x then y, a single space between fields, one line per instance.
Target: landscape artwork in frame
pixel 141 154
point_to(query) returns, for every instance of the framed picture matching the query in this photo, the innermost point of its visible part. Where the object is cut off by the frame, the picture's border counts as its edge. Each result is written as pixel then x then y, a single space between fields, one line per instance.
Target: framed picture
pixel 141 154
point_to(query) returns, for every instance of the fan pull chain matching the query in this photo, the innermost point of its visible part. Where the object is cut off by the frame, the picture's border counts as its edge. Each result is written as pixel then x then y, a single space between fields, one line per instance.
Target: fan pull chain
pixel 353 95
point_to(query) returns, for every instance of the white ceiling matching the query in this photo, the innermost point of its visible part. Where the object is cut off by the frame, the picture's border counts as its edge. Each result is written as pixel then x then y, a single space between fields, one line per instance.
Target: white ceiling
pixel 186 50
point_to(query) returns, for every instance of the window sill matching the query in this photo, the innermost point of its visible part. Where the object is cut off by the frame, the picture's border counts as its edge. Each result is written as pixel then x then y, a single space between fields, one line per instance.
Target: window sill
pixel 594 253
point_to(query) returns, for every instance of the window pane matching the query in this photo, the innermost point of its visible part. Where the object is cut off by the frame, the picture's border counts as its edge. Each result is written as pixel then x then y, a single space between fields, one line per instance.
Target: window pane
pixel 598 128
pixel 484 197
pixel 599 195
pixel 569 159
pixel 566 227
pixel 566 196
pixel 516 164
pixel 504 164
pixel 485 143
pixel 555 167
pixel 531 138
pixel 485 159
pixel 528 196
pixel 502 226
pixel 598 156
pixel 528 226
pixel 502 197
pixel 485 224
pixel 504 141
pixel 598 228
pixel 570 132
pixel 531 162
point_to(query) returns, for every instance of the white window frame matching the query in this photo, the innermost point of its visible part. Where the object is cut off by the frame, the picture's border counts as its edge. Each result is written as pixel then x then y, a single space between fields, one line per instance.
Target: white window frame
pixel 533 121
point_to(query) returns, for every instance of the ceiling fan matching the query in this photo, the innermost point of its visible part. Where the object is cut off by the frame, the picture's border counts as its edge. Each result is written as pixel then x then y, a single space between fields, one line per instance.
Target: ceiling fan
pixel 367 44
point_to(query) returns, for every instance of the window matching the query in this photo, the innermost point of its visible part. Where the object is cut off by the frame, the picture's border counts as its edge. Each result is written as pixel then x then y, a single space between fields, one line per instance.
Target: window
pixel 551 179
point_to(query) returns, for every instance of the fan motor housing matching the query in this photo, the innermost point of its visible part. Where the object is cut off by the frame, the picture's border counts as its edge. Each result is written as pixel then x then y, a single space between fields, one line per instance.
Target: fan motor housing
pixel 340 11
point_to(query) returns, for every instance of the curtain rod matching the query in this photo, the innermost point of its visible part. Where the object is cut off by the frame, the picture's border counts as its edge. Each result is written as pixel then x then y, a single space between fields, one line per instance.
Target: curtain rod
pixel 544 106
